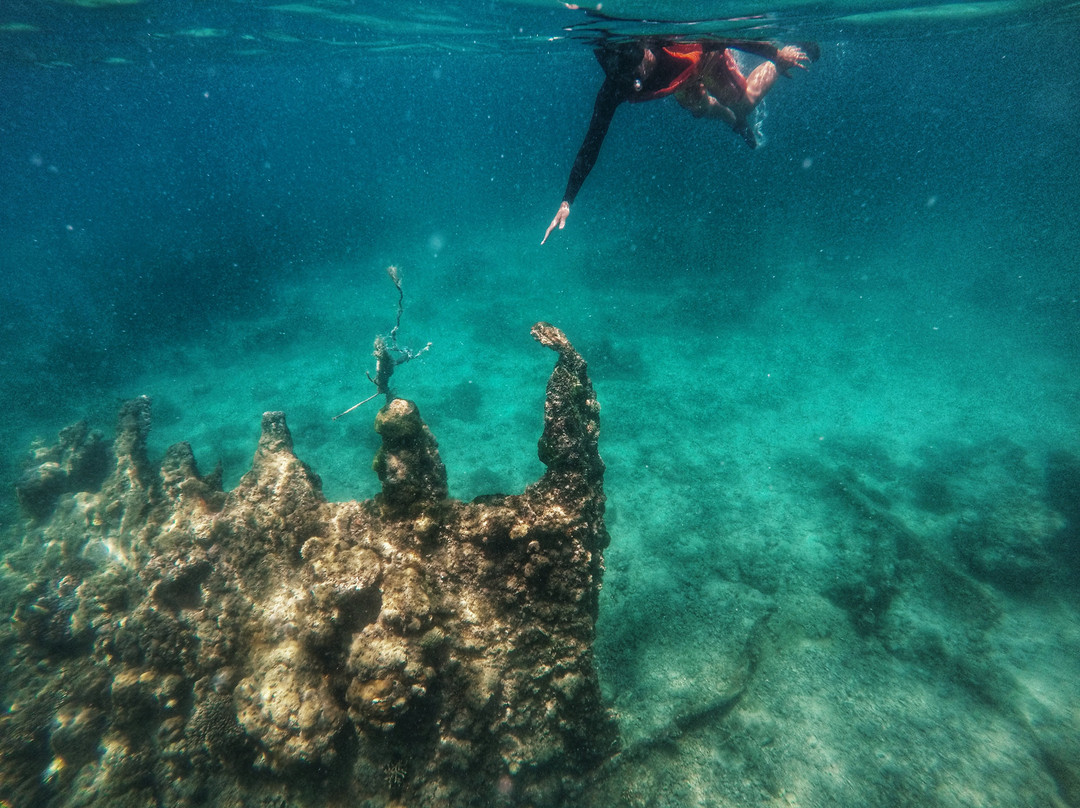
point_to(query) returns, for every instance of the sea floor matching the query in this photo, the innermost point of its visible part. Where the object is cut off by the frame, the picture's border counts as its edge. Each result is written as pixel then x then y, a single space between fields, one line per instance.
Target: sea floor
pixel 842 493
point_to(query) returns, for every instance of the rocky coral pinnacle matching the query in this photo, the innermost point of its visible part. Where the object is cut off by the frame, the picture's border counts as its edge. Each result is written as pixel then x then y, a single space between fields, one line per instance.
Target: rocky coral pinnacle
pixel 177 639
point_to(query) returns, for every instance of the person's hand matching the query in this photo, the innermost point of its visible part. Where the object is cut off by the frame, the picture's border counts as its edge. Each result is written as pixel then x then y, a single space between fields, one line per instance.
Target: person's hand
pixel 559 220
pixel 791 56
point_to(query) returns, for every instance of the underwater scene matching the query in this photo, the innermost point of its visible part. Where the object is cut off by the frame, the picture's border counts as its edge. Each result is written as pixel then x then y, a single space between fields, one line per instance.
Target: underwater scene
pixel 400 411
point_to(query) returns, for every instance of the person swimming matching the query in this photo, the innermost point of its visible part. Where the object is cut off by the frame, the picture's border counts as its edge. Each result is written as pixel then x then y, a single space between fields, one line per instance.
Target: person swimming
pixel 704 78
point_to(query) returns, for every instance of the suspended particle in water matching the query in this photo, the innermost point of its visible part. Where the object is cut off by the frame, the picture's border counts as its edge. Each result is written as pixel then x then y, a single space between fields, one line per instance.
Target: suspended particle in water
pixel 436 242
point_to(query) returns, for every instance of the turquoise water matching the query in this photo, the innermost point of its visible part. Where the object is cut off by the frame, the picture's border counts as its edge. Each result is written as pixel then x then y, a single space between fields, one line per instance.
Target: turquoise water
pixel 860 339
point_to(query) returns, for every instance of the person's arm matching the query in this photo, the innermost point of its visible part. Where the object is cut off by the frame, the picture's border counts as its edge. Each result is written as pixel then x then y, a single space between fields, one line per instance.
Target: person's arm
pixel 784 58
pixel 762 77
pixel 607 100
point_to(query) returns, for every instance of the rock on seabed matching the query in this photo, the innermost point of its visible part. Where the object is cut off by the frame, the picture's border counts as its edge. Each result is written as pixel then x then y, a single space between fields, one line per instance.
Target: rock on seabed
pixel 174 644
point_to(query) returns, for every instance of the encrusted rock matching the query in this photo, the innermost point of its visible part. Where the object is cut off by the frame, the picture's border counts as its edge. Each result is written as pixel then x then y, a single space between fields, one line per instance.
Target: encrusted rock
pixel 78 462
pixel 187 645
pixel 408 461
pixel 287 708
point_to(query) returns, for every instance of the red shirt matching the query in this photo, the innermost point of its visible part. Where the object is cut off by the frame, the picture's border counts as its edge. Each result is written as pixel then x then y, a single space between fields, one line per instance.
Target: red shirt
pixel 675 65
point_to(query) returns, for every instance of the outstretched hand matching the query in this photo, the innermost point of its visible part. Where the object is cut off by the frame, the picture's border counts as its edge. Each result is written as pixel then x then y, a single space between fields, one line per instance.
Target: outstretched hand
pixel 791 56
pixel 559 220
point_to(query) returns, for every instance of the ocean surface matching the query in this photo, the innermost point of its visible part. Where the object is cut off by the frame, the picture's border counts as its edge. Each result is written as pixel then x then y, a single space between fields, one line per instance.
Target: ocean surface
pixel 862 336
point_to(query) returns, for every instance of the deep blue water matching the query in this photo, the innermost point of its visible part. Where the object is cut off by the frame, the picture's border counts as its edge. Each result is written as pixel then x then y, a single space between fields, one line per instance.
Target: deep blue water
pixel 153 186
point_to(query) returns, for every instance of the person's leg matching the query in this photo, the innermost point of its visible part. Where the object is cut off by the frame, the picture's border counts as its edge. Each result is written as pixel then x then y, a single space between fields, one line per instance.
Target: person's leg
pixel 724 85
pixel 735 93
pixel 722 78
pixel 758 83
pixel 695 98
pixel 764 75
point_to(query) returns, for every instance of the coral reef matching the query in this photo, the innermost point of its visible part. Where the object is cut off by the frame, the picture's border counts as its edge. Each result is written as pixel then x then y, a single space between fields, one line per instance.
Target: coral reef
pixel 175 644
pixel 78 461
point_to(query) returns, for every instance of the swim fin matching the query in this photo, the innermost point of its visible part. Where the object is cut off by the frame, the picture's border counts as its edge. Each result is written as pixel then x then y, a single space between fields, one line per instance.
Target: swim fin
pixel 747 128
pixel 749 136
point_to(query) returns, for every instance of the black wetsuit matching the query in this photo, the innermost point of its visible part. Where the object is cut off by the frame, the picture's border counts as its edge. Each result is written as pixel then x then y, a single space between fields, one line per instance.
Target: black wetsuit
pixel 622 83
pixel 620 66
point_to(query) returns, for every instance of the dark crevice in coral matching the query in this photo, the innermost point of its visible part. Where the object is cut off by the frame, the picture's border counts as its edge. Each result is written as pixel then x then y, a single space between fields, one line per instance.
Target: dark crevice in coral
pixel 184 589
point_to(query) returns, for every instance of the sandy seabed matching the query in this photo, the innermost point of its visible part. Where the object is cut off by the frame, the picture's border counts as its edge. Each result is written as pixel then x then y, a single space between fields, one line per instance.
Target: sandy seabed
pixel 842 498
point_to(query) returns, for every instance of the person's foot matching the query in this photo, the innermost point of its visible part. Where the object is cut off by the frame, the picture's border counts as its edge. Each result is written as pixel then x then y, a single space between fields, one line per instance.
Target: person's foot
pixel 745 128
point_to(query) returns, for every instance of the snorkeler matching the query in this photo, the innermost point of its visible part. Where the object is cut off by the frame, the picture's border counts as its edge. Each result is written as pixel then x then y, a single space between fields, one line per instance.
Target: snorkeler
pixel 704 78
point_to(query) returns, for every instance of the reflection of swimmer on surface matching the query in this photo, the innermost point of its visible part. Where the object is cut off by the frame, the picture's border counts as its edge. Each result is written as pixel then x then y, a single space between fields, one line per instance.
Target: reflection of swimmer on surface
pixel 704 78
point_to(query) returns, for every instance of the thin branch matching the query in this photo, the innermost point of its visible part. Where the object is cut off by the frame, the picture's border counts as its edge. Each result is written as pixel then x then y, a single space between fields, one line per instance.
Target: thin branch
pixel 354 406
pixel 388 355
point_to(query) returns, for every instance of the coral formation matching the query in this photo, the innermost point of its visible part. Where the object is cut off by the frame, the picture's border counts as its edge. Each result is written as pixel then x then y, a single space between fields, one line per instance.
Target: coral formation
pixel 175 644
